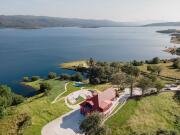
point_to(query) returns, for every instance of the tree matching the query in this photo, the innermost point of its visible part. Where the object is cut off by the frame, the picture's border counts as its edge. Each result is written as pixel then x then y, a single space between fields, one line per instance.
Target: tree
pixel 133 72
pixel 77 77
pixel 65 77
pixel 145 83
pixel 177 96
pixel 154 69
pixel 92 125
pixel 17 99
pixel 176 63
pixel 155 60
pixel 8 98
pixel 52 75
pixel 26 79
pixel 158 85
pixel 45 86
pixel 119 79
pixel 91 62
pixel 34 78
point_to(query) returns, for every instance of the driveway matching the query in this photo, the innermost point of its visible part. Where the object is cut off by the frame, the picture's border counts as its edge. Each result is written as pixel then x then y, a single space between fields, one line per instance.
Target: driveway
pixel 67 124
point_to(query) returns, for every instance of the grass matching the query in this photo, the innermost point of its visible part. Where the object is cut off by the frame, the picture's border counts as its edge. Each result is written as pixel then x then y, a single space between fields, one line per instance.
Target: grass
pixel 145 115
pixel 39 107
pixel 99 87
pixel 167 70
pixel 74 64
pixel 70 89
pixel 57 86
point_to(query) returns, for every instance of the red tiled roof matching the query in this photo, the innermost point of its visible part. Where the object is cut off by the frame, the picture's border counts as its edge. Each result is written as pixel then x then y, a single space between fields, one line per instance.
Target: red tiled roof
pixel 102 100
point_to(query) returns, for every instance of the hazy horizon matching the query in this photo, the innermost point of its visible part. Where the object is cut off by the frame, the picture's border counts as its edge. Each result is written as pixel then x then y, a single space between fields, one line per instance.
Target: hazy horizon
pixel 115 10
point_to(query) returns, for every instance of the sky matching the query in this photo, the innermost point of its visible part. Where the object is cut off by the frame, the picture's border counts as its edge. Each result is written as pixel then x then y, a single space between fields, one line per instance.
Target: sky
pixel 117 10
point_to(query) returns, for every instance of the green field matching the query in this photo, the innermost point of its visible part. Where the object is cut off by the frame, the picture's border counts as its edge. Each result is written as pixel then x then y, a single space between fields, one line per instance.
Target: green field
pixel 39 107
pixel 145 115
pixel 167 70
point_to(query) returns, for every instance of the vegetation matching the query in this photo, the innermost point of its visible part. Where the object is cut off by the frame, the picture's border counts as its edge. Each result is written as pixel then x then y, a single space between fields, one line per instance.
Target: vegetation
pixel 154 69
pixel 39 108
pixel 119 79
pixel 147 116
pixel 75 77
pixel 176 63
pixel 167 71
pixel 26 79
pixel 75 64
pixel 52 75
pixel 101 72
pixel 34 78
pixel 177 96
pixel 155 60
pixel 7 99
pixel 132 74
pixel 92 125
pixel 137 63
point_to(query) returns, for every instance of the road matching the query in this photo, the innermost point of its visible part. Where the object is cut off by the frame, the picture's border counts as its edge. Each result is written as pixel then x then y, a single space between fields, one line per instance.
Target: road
pixel 64 125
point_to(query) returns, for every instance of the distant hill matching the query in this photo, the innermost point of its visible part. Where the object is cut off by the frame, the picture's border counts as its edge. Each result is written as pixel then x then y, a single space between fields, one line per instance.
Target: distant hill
pixel 32 22
pixel 164 24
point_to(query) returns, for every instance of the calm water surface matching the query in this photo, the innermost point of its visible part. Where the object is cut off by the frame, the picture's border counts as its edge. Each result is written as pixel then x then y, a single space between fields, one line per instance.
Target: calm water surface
pixel 39 51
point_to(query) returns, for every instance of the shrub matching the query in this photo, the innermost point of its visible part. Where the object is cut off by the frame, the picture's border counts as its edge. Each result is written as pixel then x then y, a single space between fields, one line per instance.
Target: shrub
pixel 177 96
pixel 137 63
pixel 34 78
pixel 45 86
pixel 176 63
pixel 17 99
pixel 26 79
pixel 52 75
pixel 65 77
pixel 77 77
pixel 2 111
pixel 156 60
pixel 92 125
pixel 23 121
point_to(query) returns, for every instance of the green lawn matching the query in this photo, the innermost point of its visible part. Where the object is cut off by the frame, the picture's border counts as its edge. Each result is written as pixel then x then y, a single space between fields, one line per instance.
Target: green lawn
pixel 39 107
pixel 70 89
pixel 57 86
pixel 145 115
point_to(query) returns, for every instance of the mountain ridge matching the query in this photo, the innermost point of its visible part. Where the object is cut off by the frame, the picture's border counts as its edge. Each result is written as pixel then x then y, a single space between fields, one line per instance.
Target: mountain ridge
pixel 32 22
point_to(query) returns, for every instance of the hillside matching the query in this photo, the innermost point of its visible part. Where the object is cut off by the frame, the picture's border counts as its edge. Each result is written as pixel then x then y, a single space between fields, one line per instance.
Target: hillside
pixel 21 21
pixel 147 116
pixel 164 24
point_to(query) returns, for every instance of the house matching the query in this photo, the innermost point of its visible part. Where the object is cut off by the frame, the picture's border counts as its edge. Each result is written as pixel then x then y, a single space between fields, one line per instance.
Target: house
pixel 100 102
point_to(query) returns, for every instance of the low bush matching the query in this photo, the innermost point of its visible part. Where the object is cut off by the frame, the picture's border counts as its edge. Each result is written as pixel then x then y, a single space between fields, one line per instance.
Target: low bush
pixel 26 79
pixel 77 77
pixel 176 63
pixel 52 75
pixel 65 77
pixel 35 78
